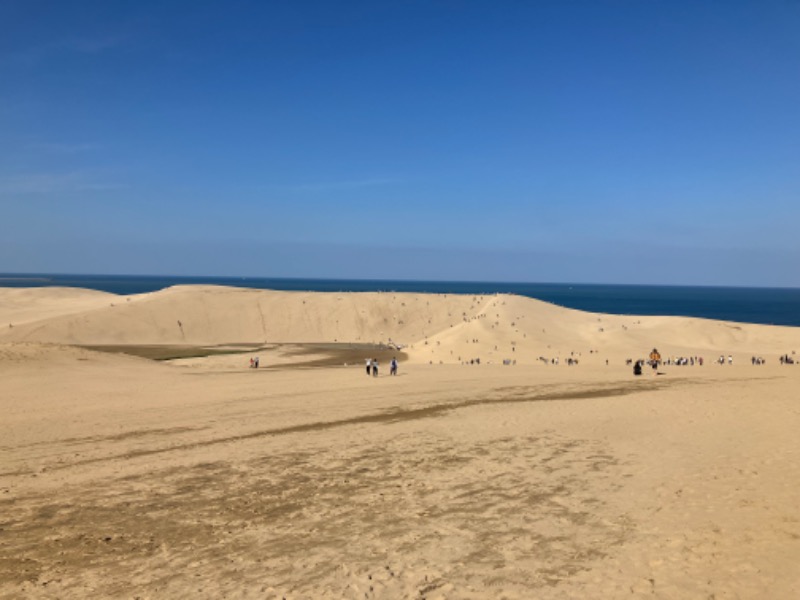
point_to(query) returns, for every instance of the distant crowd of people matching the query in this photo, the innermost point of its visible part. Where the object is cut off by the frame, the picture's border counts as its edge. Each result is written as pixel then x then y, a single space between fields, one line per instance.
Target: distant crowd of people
pixel 654 360
pixel 549 361
pixel 684 361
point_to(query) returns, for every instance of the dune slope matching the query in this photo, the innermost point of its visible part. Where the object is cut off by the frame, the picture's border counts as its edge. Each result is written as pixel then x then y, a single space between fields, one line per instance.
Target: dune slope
pixel 445 328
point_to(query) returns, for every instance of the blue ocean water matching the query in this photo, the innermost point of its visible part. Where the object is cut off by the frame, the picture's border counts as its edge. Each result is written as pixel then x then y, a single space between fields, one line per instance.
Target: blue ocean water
pixel 776 306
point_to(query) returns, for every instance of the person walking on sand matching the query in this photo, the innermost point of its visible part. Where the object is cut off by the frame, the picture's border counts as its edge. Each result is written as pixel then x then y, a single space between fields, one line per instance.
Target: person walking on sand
pixel 393 366
pixel 369 366
pixel 655 359
pixel 374 367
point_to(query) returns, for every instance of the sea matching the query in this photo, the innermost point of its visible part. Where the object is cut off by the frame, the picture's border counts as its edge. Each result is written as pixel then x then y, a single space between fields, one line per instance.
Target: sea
pixel 772 306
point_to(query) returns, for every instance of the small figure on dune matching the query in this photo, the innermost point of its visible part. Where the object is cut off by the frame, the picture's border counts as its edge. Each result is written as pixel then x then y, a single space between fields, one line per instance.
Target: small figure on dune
pixel 393 366
pixel 655 359
pixel 374 367
pixel 369 366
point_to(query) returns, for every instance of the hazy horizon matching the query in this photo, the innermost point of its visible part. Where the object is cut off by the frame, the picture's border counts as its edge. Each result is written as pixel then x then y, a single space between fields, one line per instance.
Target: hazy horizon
pixel 28 275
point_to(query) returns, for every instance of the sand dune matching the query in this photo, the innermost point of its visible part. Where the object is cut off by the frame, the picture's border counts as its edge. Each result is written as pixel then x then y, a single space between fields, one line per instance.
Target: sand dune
pixel 122 477
pixel 23 305
pixel 434 328
pixel 218 315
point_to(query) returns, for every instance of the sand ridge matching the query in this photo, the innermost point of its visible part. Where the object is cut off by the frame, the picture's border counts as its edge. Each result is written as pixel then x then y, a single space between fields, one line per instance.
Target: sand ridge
pixel 446 328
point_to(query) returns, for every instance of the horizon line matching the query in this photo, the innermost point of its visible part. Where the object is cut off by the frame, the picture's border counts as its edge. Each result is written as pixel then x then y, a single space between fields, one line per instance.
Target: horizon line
pixel 17 276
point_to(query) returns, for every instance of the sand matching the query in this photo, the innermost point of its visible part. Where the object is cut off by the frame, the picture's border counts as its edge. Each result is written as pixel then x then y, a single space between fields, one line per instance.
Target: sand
pixel 125 477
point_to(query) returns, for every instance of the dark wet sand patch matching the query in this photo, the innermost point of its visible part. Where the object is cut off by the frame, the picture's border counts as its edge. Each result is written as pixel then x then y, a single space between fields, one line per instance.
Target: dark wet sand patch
pixel 324 354
pixel 167 352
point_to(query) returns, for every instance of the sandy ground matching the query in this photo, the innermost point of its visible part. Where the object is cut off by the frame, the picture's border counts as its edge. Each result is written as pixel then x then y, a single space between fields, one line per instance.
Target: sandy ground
pixel 121 477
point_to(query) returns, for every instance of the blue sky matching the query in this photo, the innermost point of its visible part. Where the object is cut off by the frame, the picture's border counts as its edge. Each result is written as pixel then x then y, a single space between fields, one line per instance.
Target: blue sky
pixel 609 142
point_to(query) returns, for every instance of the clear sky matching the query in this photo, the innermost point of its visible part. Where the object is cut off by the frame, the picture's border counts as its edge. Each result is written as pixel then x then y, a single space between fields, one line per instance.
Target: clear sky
pixel 629 141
